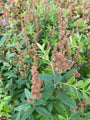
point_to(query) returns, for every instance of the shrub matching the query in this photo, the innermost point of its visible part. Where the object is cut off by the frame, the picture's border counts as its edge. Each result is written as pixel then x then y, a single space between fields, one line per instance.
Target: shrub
pixel 37 66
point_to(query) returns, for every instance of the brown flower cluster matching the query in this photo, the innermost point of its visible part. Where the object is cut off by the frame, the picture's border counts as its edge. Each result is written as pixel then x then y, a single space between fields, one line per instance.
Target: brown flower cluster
pixel 80 105
pixel 37 82
pixel 27 15
pixel 76 75
pixel 61 24
pixel 19 59
pixel 24 33
pixel 59 62
pixel 63 32
pixel 61 54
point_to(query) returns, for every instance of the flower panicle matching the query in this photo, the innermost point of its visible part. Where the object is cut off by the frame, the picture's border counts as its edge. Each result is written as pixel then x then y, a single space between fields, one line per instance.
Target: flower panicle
pixel 37 82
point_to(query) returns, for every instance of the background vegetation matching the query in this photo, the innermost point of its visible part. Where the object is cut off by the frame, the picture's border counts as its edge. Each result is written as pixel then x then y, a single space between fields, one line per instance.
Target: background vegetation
pixel 44 60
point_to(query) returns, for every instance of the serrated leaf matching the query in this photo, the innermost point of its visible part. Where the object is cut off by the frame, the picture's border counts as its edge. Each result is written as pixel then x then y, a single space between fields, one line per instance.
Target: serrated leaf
pixel 47 94
pixel 79 83
pixel 22 107
pixel 27 113
pixel 72 91
pixel 18 116
pixel 50 106
pixel 68 75
pixel 57 79
pixel 28 94
pixel 59 108
pixel 67 100
pixel 43 111
pixel 47 78
pixel 87 82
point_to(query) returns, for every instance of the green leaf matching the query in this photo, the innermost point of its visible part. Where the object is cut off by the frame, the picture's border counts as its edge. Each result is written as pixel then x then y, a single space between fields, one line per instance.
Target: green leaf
pixel 9 55
pixel 6 64
pixel 48 93
pixel 67 100
pixel 27 113
pixel 59 107
pixel 28 85
pixel 71 40
pixel 22 107
pixel 47 78
pixel 11 45
pixel 6 114
pixel 71 80
pixel 41 47
pixel 1 105
pixel 21 82
pixel 6 108
pixel 11 74
pixel 1 114
pixel 7 98
pixel 87 114
pixel 68 75
pixel 28 94
pixel 43 111
pixel 72 91
pixel 22 42
pixel 50 106
pixel 57 78
pixel 19 34
pixel 61 117
pixel 18 116
pixel 86 96
pixel 2 40
pixel 76 116
pixel 49 85
pixel 88 89
pixel 79 83
pixel 87 82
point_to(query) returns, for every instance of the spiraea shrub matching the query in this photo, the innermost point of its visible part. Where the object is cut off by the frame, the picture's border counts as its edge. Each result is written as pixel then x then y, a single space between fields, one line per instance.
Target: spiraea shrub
pixel 41 60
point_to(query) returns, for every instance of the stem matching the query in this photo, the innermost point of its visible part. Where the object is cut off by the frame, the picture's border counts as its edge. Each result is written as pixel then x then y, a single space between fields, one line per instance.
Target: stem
pixel 72 86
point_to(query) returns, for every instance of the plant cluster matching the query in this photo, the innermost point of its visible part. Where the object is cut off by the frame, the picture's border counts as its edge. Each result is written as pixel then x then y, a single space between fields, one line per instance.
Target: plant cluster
pixel 43 51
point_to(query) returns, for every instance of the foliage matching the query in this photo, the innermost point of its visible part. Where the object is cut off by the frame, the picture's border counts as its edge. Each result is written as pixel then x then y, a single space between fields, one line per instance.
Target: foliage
pixel 32 87
pixel 4 107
